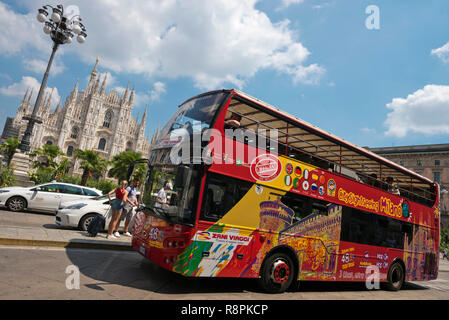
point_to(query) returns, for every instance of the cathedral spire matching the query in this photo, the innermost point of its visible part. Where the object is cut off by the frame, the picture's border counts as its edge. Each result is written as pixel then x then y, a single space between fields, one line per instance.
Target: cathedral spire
pixel 57 107
pixel 125 95
pixel 94 72
pixel 29 97
pixel 26 95
pixel 74 94
pixel 48 105
pixel 97 84
pixel 131 98
pixel 43 103
pixel 144 117
pixel 76 85
pixel 103 85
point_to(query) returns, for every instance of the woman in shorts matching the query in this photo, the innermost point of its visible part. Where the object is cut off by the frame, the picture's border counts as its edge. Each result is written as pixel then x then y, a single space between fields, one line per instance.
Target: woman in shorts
pixel 116 208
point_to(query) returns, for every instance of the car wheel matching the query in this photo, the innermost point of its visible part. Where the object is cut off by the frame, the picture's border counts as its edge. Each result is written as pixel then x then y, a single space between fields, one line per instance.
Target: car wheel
pixel 277 273
pixel 16 204
pixel 86 220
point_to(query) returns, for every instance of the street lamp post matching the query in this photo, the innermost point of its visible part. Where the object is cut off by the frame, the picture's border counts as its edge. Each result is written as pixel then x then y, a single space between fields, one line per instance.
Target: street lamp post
pixel 61 30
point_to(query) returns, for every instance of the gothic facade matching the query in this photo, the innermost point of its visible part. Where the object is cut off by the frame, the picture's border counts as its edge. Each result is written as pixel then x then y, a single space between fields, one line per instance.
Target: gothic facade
pixel 92 119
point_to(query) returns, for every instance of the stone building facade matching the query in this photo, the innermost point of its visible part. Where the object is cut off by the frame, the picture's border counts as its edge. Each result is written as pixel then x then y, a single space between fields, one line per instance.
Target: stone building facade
pixel 430 161
pixel 92 119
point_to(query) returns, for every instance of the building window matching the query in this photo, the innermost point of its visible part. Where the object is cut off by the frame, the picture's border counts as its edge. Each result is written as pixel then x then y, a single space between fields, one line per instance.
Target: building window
pixel 437 163
pixel 74 133
pixel 70 151
pixel 102 144
pixel 49 142
pixel 107 119
pixel 129 146
pixel 436 176
pixel 401 163
pixel 419 163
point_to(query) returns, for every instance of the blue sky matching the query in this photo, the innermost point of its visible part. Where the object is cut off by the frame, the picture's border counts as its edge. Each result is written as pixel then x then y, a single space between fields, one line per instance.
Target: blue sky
pixel 314 59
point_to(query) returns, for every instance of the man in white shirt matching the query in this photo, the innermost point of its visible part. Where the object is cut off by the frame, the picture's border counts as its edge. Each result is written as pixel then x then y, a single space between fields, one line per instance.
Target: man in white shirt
pixel 161 199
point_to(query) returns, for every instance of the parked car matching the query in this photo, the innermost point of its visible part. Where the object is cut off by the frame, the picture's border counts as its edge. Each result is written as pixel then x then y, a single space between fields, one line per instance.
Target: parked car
pixel 45 197
pixel 78 214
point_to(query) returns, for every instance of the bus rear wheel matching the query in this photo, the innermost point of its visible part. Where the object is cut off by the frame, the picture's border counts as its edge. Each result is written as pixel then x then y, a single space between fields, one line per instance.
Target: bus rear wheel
pixel 395 277
pixel 277 273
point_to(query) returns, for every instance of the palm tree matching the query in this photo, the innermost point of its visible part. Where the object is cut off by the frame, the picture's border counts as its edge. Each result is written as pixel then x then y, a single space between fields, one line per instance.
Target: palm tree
pixel 9 148
pixel 92 164
pixel 121 162
pixel 49 153
pixel 62 169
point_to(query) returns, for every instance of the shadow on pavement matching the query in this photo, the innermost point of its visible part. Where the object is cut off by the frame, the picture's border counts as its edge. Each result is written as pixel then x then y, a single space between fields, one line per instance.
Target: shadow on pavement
pixel 31 212
pixel 131 270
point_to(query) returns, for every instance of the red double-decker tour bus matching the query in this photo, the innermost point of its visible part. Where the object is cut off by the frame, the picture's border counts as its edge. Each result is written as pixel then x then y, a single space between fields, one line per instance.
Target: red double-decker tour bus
pixel 276 198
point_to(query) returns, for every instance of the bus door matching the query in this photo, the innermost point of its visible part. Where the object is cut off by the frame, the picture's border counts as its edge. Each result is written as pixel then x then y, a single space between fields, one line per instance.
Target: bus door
pixel 224 241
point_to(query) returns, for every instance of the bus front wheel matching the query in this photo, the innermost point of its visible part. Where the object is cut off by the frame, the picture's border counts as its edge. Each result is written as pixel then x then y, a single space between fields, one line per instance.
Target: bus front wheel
pixel 395 277
pixel 277 273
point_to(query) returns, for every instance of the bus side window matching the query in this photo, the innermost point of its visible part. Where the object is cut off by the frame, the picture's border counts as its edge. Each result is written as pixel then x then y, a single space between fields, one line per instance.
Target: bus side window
pixel 304 206
pixel 355 226
pixel 298 204
pixel 221 195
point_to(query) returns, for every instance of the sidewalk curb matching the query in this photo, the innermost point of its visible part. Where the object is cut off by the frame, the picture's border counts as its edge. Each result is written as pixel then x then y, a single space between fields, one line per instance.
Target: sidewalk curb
pixel 79 244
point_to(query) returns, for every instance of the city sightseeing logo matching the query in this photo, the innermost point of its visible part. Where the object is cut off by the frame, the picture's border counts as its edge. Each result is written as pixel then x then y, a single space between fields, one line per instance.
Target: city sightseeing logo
pixel 265 167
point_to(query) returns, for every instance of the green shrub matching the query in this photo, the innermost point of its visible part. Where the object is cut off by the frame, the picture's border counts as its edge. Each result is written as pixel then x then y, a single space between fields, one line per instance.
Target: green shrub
pixel 7 178
pixel 104 185
pixel 42 175
pixel 71 179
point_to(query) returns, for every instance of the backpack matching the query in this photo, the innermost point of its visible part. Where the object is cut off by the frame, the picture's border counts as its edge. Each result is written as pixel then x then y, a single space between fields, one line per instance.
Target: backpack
pixel 96 225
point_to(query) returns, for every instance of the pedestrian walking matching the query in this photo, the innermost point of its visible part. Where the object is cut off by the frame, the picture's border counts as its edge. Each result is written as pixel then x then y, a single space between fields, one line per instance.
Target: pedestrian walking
pixel 445 254
pixel 116 208
pixel 130 201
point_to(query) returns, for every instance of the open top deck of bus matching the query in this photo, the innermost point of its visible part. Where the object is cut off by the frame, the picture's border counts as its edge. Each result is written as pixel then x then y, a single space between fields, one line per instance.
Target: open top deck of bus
pixel 325 148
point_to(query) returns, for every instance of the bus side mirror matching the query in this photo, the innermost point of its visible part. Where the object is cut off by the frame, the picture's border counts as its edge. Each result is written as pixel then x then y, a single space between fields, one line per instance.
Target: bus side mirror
pixel 181 176
pixel 130 172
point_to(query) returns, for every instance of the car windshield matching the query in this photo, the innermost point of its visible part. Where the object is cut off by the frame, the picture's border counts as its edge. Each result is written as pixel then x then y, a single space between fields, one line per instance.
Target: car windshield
pixel 195 114
pixel 103 197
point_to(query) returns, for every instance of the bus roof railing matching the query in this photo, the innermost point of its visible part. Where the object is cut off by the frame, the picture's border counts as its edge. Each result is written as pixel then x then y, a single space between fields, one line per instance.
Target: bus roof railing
pixel 361 167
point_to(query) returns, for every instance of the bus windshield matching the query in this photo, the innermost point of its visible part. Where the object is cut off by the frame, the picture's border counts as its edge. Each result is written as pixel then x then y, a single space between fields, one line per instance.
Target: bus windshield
pixel 170 192
pixel 195 114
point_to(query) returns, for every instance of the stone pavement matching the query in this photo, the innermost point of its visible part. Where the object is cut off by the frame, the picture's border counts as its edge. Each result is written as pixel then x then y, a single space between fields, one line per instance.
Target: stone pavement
pixel 32 236
pixel 444 265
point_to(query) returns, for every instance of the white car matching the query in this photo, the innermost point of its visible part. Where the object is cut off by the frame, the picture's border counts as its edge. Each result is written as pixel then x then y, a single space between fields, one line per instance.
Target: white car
pixel 45 197
pixel 78 214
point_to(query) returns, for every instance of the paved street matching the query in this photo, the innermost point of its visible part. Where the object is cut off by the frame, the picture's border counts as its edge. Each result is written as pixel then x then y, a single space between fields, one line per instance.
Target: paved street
pixel 39 272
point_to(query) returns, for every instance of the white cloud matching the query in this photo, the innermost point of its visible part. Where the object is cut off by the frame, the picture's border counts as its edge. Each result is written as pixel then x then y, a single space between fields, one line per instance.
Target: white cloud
pixel 323 5
pixel 19 31
pixel 157 91
pixel 39 66
pixel 18 89
pixel 288 3
pixel 425 111
pixel 368 130
pixel 215 43
pixel 143 98
pixel 442 53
